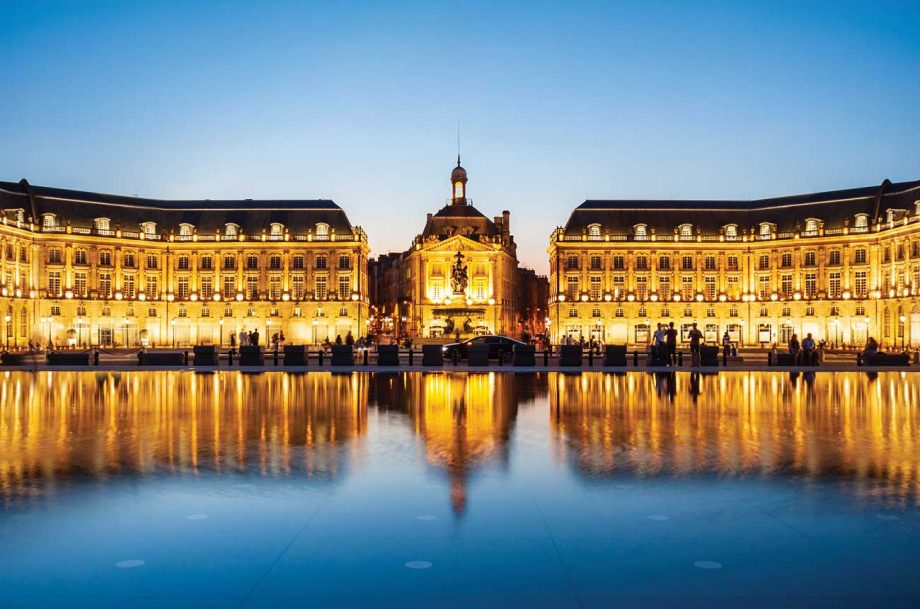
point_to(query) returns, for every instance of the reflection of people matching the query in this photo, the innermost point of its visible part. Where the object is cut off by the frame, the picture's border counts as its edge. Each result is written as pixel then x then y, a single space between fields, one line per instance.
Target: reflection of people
pixel 671 336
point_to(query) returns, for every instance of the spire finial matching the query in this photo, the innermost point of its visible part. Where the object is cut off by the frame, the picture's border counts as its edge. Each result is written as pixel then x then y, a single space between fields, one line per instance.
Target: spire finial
pixel 458 142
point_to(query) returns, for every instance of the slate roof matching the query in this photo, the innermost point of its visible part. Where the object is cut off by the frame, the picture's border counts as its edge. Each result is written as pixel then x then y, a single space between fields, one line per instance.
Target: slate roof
pixel 81 208
pixel 457 219
pixel 618 217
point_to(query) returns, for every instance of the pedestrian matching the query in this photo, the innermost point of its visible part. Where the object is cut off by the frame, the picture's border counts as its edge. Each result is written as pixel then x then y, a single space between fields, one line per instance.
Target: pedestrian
pixel 232 340
pixel 254 338
pixel 338 339
pixel 808 351
pixel 661 345
pixel 671 338
pixel 349 339
pixel 726 344
pixel 696 339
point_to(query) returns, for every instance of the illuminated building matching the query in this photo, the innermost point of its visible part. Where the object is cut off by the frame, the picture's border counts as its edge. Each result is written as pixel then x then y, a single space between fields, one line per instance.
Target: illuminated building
pixel 459 275
pixel 85 268
pixel 840 265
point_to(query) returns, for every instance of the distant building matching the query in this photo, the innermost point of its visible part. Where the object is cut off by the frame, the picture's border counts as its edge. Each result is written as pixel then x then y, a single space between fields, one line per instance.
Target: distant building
pixel 459 275
pixel 532 299
pixel 84 268
pixel 840 265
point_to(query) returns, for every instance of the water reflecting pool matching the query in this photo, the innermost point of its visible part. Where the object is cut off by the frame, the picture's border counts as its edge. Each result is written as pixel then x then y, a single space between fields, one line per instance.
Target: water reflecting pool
pixel 175 489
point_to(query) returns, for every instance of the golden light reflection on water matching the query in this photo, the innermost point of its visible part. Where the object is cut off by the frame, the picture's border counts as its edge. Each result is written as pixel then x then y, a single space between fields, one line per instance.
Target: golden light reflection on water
pixel 846 425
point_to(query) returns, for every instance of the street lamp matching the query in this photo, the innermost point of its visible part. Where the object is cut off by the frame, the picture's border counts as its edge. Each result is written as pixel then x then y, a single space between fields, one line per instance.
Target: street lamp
pixel 902 318
pixel 172 323
pixel 220 323
pixel 7 320
pixel 314 331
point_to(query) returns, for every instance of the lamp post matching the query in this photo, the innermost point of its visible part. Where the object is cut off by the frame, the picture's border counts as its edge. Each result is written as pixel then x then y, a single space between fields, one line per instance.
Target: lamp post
pixel 7 319
pixel 172 323
pixel 314 331
pixel 902 319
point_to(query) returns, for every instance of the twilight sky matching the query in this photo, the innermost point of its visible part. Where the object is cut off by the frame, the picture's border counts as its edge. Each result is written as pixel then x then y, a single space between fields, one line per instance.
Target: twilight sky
pixel 558 102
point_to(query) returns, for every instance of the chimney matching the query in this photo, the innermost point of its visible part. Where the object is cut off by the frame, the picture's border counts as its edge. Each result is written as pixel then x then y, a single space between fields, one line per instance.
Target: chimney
pixel 506 223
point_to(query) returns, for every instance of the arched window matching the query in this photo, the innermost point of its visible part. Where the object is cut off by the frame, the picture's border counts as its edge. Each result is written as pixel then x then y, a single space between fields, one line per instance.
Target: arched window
pixel 231 230
pixel 49 221
pixel 322 231
pixel 185 230
pixel 811 227
pixel 766 230
pixel 102 224
pixel 594 232
pixel 731 232
pixel 862 222
pixel 149 228
pixel 276 231
pixel 685 231
pixel 641 232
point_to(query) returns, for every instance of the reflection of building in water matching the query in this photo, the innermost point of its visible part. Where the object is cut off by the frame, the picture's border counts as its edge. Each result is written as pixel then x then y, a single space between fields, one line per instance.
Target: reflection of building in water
pixel 841 424
pixel 464 419
pixel 61 424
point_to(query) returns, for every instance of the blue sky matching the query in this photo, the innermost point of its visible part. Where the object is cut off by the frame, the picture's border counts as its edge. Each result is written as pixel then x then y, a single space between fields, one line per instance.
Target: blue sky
pixel 558 102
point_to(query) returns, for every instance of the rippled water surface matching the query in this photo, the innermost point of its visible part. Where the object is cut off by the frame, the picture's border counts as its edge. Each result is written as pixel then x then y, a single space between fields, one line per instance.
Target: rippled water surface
pixel 459 490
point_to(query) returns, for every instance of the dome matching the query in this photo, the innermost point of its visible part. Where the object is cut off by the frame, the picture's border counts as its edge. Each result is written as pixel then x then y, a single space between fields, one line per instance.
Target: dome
pixel 459 173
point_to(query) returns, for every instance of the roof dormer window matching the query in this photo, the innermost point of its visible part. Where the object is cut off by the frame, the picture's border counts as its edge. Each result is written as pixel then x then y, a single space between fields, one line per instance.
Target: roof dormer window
pixel 766 230
pixel 231 229
pixel 641 232
pixel 731 232
pixel 102 224
pixel 276 231
pixel 685 231
pixel 49 221
pixel 149 228
pixel 186 230
pixel 322 231
pixel 594 232
pixel 862 222
pixel 811 227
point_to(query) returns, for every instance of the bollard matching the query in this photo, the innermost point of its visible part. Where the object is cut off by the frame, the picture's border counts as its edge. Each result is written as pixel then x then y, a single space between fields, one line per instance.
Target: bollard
pixel 769 358
pixel 410 357
pixel 546 357
pixel 96 357
pixel 590 357
pixel 275 357
pixel 725 357
pixel 320 357
pixel 365 357
pixel 184 358
pixel 230 358
pixel 501 356
pixel 636 359
pixel 680 358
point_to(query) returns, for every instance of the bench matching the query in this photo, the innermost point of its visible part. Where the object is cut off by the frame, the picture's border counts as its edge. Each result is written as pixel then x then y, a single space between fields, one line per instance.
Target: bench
pixel 17 359
pixel 478 355
pixel 161 358
pixel 883 359
pixel 709 355
pixel 295 355
pixel 432 355
pixel 251 355
pixel 205 355
pixel 570 355
pixel 780 359
pixel 614 355
pixel 68 358
pixel 343 355
pixel 525 355
pixel 387 355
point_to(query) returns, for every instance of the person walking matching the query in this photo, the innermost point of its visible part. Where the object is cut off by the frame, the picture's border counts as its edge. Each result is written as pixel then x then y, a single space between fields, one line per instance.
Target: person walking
pixel 696 339
pixel 671 338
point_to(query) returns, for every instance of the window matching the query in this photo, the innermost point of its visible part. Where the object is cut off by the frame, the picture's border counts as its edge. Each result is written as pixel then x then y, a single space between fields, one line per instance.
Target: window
pixel 763 287
pixel 49 221
pixel 205 311
pixel 252 262
pixel 833 257
pixel 664 287
pixel 641 232
pixel 344 262
pixel 809 311
pixel 811 285
pixel 207 288
pixel 833 285
pixel 148 229
pixel 105 285
pixel 206 263
pixel 860 310
pixel 321 261
pixel 228 311
pixel 276 231
pixel 619 312
pixel 732 263
pixel 571 288
pixel 595 263
pixel 766 230
pixel 811 227
pixel 786 260
pixel 686 287
pixel 229 262
pixel 710 292
pixel 786 285
pixel 185 231
pixel 152 289
pixel 322 231
pixel 763 262
pixel 764 312
pixel 54 283
pixel 859 256
pixel 733 312
pixel 252 288
pixel 595 291
pixel 79 284
pixel 127 260
pixel 274 263
pixel 55 310
pixel 787 310
pixel 686 263
pixel 81 310
pixel 835 311
pixel 641 263
pixel 229 286
pixel 573 312
pixel 664 263
pixel 731 232
pixel 860 285
pixel 231 230
pixel 618 286
pixel 594 232
pixel 810 258
pixel 183 263
pixel 618 263
pixel 128 288
pixel 320 290
pixel 151 261
pixel 274 287
pixel 183 312
pixel 152 312
pixel 297 287
pixel 105 258
pixel 79 257
pixel 710 263
pixel 862 223
pixel 686 232
pixel 571 263
pixel 297 262
pixel 596 312
pixel 183 291
pixel 55 256
pixel 641 288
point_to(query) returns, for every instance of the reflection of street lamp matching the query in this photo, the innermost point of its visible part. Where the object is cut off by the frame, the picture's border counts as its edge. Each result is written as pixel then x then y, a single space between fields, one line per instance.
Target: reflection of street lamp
pixel 903 319
pixel 836 325
pixel 7 320
pixel 172 323
pixel 314 331
pixel 868 320
pixel 220 323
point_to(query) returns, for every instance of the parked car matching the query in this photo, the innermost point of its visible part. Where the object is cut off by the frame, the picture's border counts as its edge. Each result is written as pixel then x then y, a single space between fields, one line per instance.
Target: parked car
pixel 496 344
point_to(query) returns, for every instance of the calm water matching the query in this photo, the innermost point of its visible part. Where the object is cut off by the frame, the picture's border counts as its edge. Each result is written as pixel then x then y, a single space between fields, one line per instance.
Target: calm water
pixel 459 490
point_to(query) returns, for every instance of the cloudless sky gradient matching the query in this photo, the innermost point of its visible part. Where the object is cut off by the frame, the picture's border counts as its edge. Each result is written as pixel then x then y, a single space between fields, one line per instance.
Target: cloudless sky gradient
pixel 558 102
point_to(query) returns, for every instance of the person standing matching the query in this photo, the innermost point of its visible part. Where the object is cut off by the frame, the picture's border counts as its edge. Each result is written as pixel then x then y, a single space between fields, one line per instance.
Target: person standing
pixel 696 340
pixel 808 351
pixel 671 337
pixel 254 338
pixel 661 349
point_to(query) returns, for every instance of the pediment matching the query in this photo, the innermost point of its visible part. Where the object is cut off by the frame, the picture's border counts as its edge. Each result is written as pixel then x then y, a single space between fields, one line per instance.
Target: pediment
pixel 457 243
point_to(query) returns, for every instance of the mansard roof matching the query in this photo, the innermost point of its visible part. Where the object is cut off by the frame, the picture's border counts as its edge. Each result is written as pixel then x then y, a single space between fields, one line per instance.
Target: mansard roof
pixel 709 216
pixel 459 219
pixel 207 215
